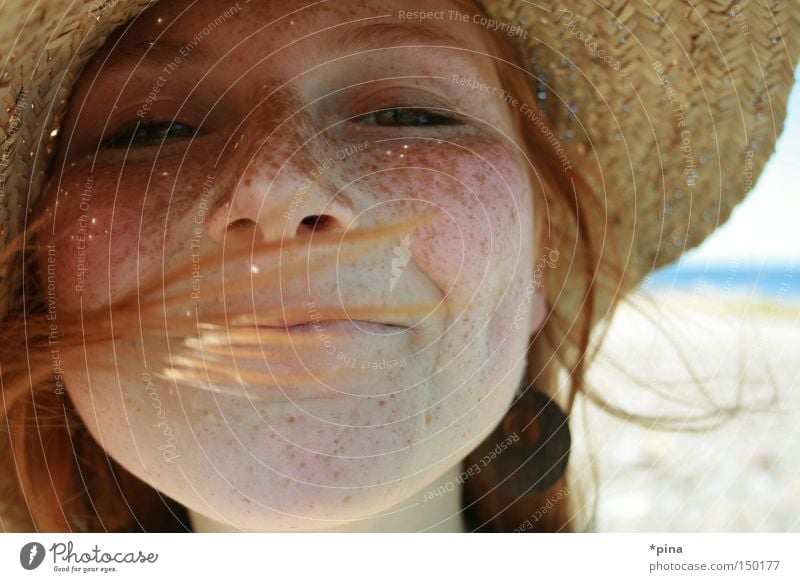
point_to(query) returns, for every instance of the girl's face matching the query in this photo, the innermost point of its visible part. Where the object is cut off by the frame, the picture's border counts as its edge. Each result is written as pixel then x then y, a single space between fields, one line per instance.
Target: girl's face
pixel 254 120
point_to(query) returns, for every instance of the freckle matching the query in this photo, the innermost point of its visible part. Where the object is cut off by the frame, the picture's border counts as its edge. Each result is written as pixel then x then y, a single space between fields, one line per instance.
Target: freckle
pixel 336 475
pixel 346 499
pixel 291 420
pixel 391 395
pixel 248 182
pixel 428 419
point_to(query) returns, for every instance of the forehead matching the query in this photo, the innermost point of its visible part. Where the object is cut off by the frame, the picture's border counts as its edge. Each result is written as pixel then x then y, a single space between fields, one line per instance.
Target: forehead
pixel 246 32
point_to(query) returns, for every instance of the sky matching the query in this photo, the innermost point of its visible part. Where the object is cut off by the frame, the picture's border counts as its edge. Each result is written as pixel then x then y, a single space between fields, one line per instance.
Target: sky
pixel 765 228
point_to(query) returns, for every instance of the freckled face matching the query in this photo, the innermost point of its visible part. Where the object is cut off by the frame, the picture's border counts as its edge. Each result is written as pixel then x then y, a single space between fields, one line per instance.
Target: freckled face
pixel 249 129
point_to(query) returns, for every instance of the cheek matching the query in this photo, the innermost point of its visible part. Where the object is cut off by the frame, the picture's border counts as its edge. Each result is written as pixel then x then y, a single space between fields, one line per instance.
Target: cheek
pixel 479 197
pixel 111 231
pixel 478 251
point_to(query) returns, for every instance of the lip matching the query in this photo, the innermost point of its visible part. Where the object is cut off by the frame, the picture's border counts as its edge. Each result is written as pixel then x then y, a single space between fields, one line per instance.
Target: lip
pixel 297 318
pixel 337 347
pixel 328 326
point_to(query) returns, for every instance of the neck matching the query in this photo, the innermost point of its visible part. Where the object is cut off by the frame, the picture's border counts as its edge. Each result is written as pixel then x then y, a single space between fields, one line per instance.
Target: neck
pixel 435 508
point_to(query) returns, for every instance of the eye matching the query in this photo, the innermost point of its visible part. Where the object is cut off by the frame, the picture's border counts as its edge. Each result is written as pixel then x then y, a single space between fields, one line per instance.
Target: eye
pixel 407 117
pixel 145 134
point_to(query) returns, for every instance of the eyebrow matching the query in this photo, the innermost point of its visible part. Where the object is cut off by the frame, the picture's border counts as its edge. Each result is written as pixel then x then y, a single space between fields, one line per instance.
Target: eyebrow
pixel 159 52
pixel 372 36
pixel 379 35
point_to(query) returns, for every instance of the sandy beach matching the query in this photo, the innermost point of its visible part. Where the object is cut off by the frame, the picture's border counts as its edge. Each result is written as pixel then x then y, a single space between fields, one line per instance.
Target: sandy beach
pixel 743 475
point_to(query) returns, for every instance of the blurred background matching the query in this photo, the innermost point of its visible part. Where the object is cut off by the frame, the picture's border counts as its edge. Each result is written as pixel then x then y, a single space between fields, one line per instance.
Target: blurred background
pixel 715 339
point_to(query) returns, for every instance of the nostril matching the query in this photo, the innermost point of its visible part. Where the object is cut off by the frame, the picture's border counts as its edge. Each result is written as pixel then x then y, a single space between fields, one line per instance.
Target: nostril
pixel 317 222
pixel 241 224
pixel 244 229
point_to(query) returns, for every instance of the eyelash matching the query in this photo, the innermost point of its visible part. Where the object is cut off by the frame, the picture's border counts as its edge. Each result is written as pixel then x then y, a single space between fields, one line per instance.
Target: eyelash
pixel 439 119
pixel 127 137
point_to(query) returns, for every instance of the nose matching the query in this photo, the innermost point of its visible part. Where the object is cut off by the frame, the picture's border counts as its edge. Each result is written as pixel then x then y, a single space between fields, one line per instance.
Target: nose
pixel 279 190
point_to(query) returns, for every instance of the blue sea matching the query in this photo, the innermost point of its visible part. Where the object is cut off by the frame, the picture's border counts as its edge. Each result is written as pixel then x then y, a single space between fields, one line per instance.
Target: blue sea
pixel 776 281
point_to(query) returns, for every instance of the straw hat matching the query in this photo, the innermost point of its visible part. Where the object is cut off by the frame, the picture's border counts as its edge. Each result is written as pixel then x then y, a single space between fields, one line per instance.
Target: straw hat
pixel 670 108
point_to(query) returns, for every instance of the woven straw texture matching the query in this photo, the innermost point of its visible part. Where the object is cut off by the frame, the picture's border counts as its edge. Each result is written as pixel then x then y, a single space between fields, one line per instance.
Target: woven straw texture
pixel 670 108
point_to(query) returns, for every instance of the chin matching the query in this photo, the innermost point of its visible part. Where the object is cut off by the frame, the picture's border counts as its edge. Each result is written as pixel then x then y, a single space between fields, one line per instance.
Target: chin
pixel 275 504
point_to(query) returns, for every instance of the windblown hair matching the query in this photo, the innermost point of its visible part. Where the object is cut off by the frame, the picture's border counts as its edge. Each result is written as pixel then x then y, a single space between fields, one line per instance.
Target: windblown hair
pixel 65 481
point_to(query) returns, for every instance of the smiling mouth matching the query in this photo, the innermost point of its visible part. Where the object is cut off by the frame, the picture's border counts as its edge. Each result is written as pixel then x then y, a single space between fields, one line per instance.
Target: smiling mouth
pixel 339 326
